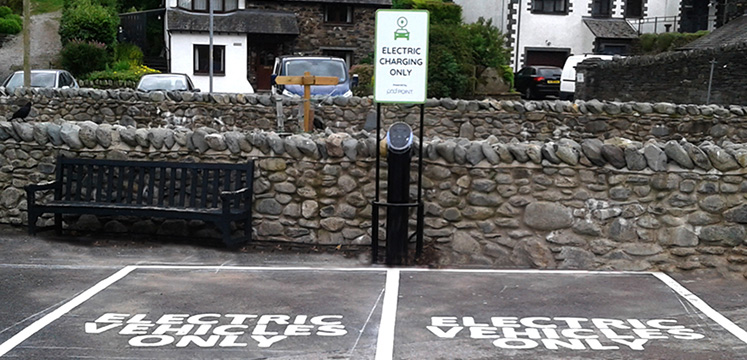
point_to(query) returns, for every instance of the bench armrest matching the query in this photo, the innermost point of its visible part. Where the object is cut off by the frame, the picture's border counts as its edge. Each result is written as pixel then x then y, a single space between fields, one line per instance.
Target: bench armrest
pixel 33 188
pixel 45 185
pixel 235 193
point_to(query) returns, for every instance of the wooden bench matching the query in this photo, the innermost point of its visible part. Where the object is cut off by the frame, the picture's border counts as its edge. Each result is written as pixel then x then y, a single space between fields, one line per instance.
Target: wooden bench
pixel 217 193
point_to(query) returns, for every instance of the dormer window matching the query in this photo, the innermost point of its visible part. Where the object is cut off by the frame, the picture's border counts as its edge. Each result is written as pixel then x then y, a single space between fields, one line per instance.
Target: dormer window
pixel 219 6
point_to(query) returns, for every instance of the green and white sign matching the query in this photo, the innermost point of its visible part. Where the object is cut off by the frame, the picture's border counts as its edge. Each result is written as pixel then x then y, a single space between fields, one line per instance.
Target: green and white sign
pixel 401 69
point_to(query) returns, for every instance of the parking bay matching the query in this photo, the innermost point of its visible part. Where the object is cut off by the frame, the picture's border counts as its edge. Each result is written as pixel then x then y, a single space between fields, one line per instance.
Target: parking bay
pixel 167 312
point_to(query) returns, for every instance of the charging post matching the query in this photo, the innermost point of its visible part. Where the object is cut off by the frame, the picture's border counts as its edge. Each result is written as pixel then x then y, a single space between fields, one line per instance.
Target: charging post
pixel 401 73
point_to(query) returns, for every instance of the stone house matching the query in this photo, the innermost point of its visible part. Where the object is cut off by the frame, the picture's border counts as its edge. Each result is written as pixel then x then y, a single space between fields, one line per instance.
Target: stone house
pixel 546 32
pixel 248 35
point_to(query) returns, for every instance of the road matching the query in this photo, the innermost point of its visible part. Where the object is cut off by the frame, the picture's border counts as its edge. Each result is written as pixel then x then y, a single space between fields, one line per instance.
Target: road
pixel 70 297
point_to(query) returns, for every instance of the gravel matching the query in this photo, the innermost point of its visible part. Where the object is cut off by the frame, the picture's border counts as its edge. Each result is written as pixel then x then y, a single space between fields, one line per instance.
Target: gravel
pixel 45 45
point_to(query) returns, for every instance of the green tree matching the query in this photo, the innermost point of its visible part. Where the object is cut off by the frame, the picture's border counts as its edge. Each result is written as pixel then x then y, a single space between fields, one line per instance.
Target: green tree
pixel 87 20
pixel 456 49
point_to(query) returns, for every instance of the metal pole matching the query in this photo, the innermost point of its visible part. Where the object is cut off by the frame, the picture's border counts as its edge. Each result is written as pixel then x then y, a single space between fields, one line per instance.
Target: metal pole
pixel 375 207
pixel 26 43
pixel 210 30
pixel 420 209
pixel 710 80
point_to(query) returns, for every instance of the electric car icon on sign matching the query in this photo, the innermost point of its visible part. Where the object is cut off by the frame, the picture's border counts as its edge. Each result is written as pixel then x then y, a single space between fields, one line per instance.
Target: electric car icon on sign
pixel 401 33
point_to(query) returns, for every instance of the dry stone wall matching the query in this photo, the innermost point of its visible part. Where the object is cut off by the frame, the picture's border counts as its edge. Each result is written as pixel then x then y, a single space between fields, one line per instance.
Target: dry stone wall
pixel 552 203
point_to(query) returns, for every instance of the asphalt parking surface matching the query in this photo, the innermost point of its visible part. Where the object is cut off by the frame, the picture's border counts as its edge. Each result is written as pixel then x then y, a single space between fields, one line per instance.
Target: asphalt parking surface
pixel 131 300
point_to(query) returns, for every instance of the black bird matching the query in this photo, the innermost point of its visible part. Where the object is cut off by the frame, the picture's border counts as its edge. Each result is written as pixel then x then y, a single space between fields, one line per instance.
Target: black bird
pixel 22 112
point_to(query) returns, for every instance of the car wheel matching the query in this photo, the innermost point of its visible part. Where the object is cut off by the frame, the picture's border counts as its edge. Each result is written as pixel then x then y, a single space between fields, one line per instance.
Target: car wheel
pixel 530 94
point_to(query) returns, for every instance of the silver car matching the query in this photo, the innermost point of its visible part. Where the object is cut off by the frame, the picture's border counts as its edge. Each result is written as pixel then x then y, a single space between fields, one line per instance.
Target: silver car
pixel 60 79
pixel 165 82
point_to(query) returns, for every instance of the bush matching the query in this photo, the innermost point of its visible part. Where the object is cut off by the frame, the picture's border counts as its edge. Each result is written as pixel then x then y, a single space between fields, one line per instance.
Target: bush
pixel 450 66
pixel 81 57
pixel 5 11
pixel 15 6
pixel 133 73
pixel 130 53
pixel 82 20
pixel 488 44
pixel 9 23
pixel 365 74
pixel 658 43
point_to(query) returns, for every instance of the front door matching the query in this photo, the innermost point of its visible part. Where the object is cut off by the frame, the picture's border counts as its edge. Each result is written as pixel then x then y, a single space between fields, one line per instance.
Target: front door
pixel 264 58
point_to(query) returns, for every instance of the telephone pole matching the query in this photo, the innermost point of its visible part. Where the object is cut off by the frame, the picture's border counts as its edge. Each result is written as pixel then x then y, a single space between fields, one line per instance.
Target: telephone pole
pixel 26 43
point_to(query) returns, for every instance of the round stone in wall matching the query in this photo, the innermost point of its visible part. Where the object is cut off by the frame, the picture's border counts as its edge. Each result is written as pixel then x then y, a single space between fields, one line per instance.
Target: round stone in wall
pixel 547 216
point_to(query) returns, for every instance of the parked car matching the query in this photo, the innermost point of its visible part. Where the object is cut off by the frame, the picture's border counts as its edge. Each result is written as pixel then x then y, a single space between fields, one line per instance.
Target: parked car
pixel 166 82
pixel 60 79
pixel 318 66
pixel 569 78
pixel 537 82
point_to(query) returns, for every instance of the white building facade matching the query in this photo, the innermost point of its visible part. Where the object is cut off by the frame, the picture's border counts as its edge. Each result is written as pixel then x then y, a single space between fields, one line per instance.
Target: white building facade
pixel 546 32
pixel 189 49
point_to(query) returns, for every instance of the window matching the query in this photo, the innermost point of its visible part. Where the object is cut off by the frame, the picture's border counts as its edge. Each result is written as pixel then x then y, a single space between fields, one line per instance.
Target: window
pixel 346 55
pixel 219 6
pixel 601 8
pixel 202 59
pixel 338 14
pixel 634 8
pixel 550 6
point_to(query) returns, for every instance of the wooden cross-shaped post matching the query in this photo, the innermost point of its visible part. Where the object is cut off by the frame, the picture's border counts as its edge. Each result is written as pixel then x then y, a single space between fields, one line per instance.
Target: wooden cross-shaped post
pixel 307 80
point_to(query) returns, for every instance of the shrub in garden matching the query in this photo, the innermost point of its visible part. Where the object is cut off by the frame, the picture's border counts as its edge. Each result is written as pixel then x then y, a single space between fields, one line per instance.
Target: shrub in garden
pixel 87 21
pixel 81 57
pixel 365 74
pixel 15 6
pixel 10 23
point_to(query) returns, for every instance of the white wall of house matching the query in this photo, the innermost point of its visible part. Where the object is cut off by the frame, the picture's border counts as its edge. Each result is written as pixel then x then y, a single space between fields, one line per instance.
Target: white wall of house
pixel 174 3
pixel 496 10
pixel 568 31
pixel 551 31
pixel 235 79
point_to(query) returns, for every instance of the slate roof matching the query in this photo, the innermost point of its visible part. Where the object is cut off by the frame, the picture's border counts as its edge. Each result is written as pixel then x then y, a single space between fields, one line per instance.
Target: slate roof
pixel 611 28
pixel 252 21
pixel 732 33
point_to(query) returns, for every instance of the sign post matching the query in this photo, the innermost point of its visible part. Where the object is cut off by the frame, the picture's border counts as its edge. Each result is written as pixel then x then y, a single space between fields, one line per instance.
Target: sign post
pixel 307 80
pixel 400 76
pixel 401 69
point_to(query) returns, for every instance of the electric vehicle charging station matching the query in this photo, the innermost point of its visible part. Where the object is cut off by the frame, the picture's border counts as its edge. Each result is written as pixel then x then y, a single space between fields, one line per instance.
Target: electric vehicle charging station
pixel 399 147
pixel 401 73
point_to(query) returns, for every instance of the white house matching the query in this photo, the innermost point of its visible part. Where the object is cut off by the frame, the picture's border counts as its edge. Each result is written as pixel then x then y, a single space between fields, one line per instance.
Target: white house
pixel 249 35
pixel 546 32
pixel 188 41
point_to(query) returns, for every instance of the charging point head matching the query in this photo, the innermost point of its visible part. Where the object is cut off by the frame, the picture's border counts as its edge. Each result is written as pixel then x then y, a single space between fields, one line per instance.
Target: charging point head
pixel 399 137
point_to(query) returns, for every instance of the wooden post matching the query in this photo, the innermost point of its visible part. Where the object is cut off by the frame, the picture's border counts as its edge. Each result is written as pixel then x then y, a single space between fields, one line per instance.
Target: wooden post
pixel 307 80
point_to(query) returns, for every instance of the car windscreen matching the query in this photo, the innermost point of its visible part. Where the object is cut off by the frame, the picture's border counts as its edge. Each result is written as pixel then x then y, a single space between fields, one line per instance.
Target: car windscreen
pixel 549 72
pixel 316 67
pixel 152 83
pixel 37 80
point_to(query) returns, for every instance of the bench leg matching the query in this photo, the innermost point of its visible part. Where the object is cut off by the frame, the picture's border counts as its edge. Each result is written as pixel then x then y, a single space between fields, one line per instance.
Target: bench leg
pixel 33 217
pixel 58 224
pixel 225 230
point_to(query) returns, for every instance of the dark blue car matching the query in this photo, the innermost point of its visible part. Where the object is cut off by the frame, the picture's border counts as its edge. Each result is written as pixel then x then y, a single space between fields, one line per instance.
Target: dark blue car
pixel 317 66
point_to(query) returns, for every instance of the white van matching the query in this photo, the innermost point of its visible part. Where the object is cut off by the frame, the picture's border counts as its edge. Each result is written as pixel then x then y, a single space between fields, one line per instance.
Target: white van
pixel 569 78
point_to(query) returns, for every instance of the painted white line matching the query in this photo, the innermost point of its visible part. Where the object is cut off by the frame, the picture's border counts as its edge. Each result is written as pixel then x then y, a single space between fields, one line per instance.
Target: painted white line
pixel 62 310
pixel 385 341
pixel 703 307
pixel 375 269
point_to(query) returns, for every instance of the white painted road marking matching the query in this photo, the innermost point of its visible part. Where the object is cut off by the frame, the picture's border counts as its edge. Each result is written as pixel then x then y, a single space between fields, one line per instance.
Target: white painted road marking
pixel 385 341
pixel 702 306
pixel 62 310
